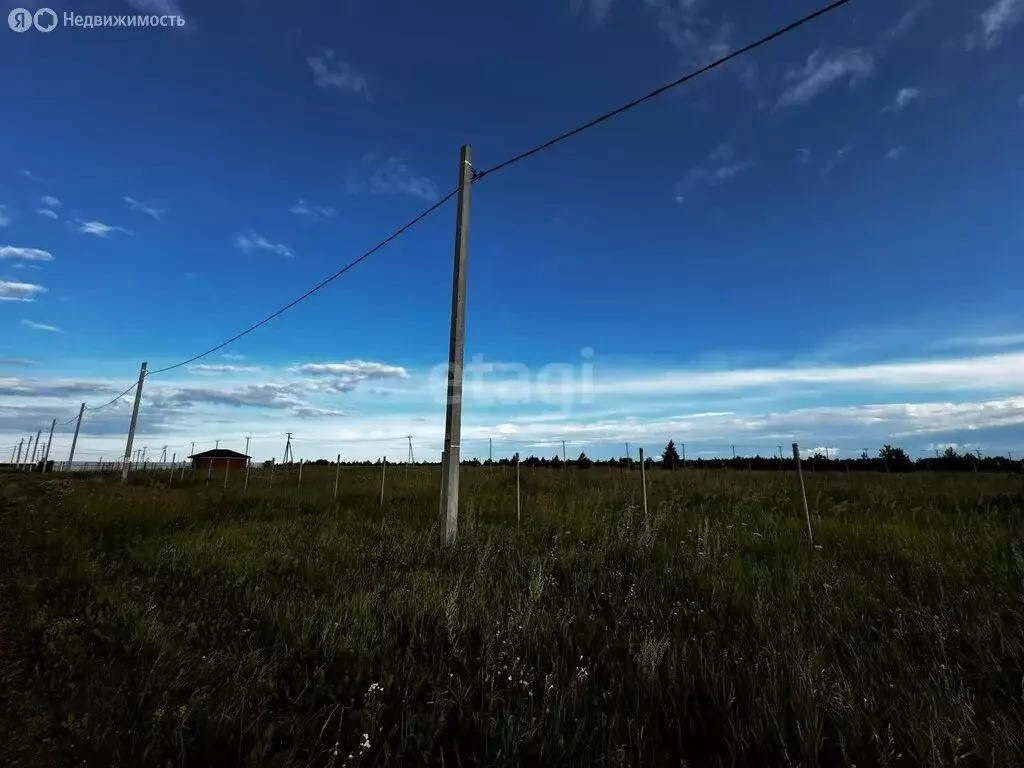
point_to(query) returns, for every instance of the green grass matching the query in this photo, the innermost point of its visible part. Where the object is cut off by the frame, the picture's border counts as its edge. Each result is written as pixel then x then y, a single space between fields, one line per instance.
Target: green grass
pixel 187 625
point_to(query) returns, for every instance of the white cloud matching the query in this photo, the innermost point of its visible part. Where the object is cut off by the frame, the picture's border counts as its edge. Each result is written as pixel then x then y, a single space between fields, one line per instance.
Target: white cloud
pixel 149 210
pixel 362 368
pixel 820 73
pixel 837 159
pixel 5 216
pixel 313 212
pixel 905 23
pixel 232 356
pixel 12 291
pixel 598 8
pixel 47 213
pixel 49 201
pixel 223 368
pixel 41 326
pixel 896 153
pixel 999 340
pixel 803 155
pixel 98 228
pixel 159 7
pixel 251 241
pixel 903 97
pixel 717 169
pixel 392 176
pixel 331 72
pixel 995 20
pixel 24 254
pixel 729 171
pixel 694 36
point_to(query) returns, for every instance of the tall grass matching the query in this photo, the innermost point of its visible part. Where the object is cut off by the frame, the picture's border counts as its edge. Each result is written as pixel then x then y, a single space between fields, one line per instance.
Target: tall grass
pixel 186 625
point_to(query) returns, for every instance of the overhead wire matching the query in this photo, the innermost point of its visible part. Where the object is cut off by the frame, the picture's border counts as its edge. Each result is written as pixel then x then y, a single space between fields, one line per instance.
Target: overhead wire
pixel 667 87
pixel 394 235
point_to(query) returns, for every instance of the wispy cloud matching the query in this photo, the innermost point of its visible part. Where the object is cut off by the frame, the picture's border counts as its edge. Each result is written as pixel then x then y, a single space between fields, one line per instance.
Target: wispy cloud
pixel 232 356
pixel 391 176
pixel 47 213
pixel 13 291
pixel 598 9
pixel 159 7
pixel 49 201
pixel 803 155
pixel 903 97
pixel 41 326
pixel 363 368
pixel 896 153
pixel 699 40
pixel 141 207
pixel 822 72
pixel 837 159
pixel 719 167
pixel 313 212
pixel 995 20
pixel 98 228
pixel 5 215
pixel 224 368
pixel 10 252
pixel 990 341
pixel 905 23
pixel 251 241
pixel 14 361
pixel 330 72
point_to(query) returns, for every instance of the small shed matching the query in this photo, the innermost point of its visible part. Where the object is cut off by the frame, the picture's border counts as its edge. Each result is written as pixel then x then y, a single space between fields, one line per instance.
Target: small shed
pixel 219 458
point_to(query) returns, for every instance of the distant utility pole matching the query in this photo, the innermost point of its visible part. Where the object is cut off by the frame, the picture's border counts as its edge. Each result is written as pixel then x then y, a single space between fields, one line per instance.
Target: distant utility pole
pixel 563 452
pixel 409 461
pixel 734 452
pixel 17 461
pixel 46 455
pixel 216 445
pixel 132 425
pixel 490 450
pixel 629 459
pixel 35 448
pixel 163 455
pixel 288 456
pixel 74 440
pixel 449 512
pixel 246 486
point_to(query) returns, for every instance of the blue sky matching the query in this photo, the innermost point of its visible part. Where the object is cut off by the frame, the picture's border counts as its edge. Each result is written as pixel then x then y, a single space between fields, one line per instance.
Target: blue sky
pixel 820 241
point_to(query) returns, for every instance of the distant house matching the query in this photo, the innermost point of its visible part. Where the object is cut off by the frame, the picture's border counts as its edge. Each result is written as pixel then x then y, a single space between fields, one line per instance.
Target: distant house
pixel 219 458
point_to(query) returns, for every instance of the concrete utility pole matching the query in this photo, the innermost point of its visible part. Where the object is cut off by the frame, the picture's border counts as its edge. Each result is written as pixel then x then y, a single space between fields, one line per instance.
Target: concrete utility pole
pixel 288 457
pixel 35 448
pixel 17 461
pixel 563 453
pixel 449 512
pixel 131 427
pixel 629 459
pixel 74 440
pixel 49 442
pixel 246 486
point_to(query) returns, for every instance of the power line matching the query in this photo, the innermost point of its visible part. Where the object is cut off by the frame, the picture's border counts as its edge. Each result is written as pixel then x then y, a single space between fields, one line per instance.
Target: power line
pixel 658 91
pixel 110 402
pixel 317 287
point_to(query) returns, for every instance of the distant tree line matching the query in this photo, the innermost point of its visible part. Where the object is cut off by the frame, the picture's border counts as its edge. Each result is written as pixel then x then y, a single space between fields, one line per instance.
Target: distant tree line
pixel 889 459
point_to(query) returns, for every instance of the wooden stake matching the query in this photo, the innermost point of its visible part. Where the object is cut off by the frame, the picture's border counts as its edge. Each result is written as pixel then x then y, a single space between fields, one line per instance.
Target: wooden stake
pixel 643 482
pixel 803 494
pixel 519 505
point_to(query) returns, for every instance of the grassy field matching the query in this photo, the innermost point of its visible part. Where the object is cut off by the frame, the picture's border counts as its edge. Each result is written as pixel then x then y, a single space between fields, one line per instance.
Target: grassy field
pixel 185 625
